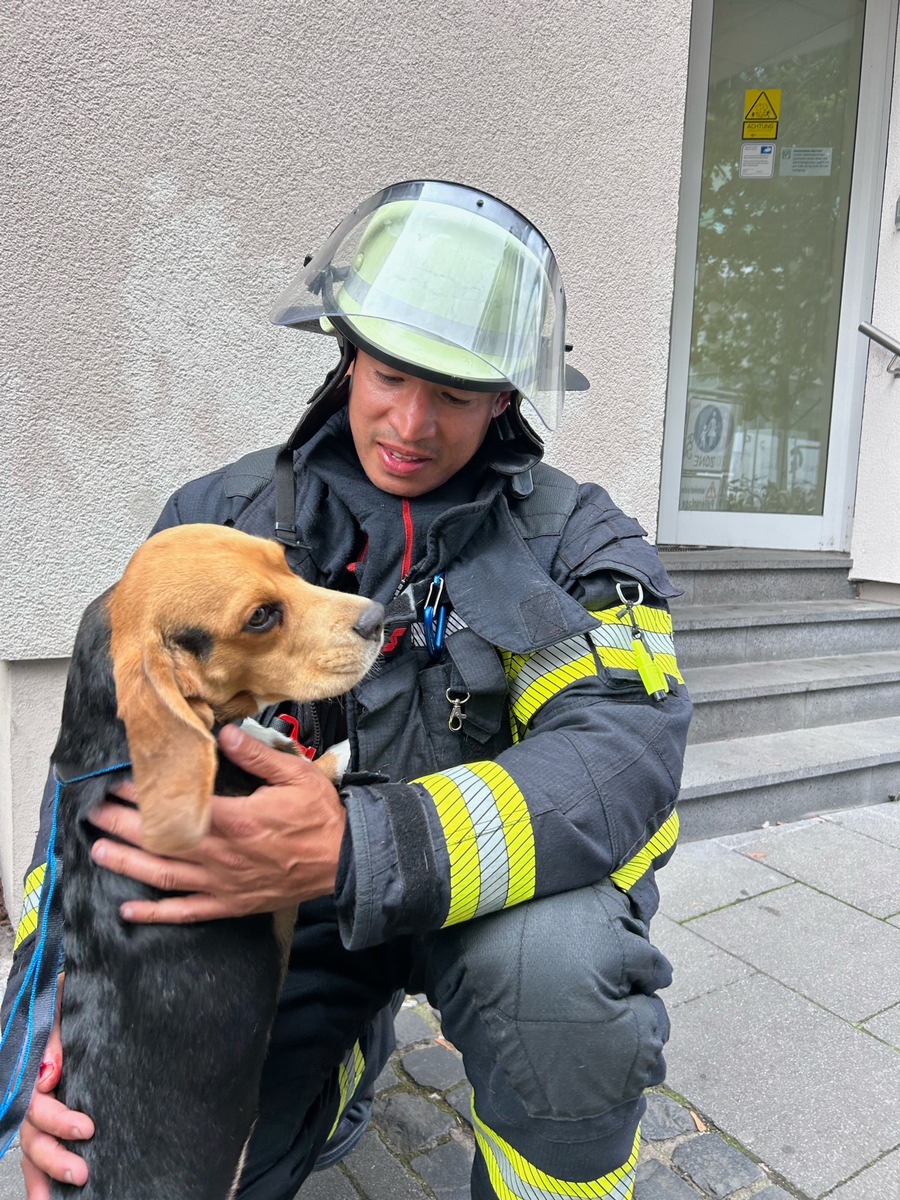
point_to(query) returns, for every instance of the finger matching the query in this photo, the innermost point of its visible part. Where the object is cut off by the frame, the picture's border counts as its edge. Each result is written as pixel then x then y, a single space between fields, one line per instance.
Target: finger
pixel 259 759
pixel 51 1070
pixel 47 1115
pixel 119 820
pixel 175 910
pixel 125 791
pixel 43 1155
pixel 167 874
pixel 37 1183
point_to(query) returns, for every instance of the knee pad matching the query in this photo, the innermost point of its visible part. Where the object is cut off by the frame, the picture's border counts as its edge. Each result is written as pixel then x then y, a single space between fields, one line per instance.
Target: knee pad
pixel 565 987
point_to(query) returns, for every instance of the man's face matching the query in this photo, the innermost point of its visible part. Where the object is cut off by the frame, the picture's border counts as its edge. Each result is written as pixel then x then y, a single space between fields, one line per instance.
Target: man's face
pixel 412 435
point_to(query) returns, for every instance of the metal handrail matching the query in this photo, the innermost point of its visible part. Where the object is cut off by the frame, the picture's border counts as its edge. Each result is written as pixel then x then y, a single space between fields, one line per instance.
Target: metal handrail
pixel 883 339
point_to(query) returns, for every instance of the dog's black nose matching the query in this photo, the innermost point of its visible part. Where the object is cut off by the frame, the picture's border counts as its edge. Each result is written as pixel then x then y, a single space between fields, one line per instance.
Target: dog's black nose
pixel 371 623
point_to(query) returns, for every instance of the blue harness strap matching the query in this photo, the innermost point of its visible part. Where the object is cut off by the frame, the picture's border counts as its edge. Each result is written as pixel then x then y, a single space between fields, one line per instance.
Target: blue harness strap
pixel 31 1016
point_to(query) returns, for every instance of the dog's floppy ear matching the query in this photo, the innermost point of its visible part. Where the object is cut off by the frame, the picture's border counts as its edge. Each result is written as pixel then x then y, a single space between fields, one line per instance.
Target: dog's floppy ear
pixel 173 753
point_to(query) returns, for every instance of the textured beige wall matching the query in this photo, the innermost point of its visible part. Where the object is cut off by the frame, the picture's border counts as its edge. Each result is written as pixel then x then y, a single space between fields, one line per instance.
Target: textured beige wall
pixel 876 530
pixel 171 163
pixel 168 165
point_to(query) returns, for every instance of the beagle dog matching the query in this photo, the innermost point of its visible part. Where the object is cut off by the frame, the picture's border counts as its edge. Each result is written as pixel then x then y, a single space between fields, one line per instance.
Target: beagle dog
pixel 165 1027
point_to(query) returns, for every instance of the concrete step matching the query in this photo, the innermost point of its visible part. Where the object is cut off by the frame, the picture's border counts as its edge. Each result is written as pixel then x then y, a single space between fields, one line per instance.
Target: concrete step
pixel 713 634
pixel 735 785
pixel 767 697
pixel 741 576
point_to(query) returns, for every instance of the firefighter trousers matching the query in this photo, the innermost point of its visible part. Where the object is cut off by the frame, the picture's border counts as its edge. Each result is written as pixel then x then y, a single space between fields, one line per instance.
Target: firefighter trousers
pixel 553 1005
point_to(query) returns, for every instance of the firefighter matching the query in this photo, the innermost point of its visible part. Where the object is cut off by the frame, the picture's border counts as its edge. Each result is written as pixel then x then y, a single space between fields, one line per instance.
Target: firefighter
pixel 513 759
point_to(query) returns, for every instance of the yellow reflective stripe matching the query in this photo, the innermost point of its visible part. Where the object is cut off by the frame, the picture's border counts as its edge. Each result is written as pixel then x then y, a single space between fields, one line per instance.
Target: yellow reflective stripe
pixel 349 1074
pixel 652 620
pixel 536 694
pixel 625 660
pixel 517 830
pixel 664 839
pixel 489 836
pixel 514 1178
pixel 533 679
pixel 462 845
pixel 614 642
pixel 30 901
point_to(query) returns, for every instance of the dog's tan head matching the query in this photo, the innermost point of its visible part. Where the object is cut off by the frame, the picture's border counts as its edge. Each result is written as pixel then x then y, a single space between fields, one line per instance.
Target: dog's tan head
pixel 209 624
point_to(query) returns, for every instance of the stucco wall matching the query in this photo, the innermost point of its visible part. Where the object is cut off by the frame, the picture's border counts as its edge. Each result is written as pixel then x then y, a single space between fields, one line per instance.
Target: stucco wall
pixel 169 165
pixel 876 534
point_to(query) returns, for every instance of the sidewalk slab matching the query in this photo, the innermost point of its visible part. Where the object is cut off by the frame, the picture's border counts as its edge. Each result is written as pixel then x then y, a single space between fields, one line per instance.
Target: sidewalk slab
pixel 878 821
pixel 708 876
pixel 792 935
pixel 835 859
pixel 698 967
pixel 886 1025
pixel 878 1182
pixel 814 1097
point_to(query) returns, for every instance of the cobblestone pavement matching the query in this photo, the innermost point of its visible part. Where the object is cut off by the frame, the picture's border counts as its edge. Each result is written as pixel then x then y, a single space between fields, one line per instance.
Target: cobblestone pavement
pixel 421 1145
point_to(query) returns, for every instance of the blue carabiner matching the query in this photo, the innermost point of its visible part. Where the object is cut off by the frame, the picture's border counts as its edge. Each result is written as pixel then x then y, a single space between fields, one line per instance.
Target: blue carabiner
pixel 435 616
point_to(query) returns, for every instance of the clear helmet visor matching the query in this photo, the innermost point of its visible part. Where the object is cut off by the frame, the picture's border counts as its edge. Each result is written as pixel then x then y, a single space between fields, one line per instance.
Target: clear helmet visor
pixel 447 283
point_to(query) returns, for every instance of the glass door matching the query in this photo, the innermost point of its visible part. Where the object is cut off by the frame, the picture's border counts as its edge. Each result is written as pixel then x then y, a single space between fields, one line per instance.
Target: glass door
pixel 774 272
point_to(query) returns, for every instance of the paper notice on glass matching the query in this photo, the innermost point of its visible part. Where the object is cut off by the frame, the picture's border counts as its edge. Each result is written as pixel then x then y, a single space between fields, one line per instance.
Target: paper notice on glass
pixel 757 160
pixel 805 160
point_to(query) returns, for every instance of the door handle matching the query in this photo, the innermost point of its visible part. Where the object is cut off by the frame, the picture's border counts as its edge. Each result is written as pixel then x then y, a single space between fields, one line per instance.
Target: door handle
pixel 883 339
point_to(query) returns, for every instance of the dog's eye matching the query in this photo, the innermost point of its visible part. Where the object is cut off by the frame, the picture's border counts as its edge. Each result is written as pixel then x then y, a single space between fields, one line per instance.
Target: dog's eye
pixel 264 617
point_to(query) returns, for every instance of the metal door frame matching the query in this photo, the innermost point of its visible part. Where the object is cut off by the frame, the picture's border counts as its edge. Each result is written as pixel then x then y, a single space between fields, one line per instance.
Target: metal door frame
pixel 831 530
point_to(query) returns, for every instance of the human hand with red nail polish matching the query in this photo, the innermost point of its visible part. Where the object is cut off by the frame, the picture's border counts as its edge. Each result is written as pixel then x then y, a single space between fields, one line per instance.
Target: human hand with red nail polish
pixel 48 1121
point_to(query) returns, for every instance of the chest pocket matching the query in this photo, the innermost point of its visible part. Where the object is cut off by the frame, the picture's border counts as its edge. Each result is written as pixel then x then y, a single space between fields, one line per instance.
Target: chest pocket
pixel 403 714
pixel 471 673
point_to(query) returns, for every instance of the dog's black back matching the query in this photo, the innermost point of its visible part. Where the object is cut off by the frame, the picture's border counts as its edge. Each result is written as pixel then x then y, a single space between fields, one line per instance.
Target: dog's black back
pixel 164 1027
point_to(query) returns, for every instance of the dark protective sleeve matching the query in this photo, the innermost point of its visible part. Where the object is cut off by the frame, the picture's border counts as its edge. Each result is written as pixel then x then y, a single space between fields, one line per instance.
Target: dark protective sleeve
pixel 24 939
pixel 586 791
pixel 201 500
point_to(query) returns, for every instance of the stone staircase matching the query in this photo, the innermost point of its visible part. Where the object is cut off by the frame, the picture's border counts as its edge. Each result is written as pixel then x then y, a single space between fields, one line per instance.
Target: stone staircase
pixel 796 687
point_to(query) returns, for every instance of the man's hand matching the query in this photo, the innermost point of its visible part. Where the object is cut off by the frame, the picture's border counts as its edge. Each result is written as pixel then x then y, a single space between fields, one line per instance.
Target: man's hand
pixel 264 852
pixel 47 1121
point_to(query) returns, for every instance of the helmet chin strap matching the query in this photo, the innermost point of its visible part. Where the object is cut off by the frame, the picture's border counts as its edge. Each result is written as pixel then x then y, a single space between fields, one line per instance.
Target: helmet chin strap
pixel 325 400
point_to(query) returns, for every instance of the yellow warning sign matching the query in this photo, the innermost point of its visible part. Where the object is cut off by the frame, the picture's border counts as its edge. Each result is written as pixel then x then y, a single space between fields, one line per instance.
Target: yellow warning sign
pixel 762 109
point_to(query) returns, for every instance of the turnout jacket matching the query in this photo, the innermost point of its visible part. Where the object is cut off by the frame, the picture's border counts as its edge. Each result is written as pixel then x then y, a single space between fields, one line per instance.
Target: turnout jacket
pixel 527 758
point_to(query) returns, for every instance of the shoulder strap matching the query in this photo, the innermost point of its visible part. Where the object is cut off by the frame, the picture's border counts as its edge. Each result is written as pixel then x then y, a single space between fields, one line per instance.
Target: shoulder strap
pixel 547 507
pixel 249 475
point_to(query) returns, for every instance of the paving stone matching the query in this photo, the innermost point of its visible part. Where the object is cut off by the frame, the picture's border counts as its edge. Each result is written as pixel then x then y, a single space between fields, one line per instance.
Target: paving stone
pixel 410 1026
pixel 775 1193
pixel 460 1098
pixel 387 1079
pixel 792 934
pixel 886 1025
pixel 881 1181
pixel 698 966
pixel 878 821
pixel 332 1184
pixel 409 1121
pixel 665 1118
pixel 437 1067
pixel 446 1169
pixel 12 1186
pixel 834 859
pixel 714 1165
pixel 813 1097
pixel 653 1181
pixel 706 875
pixel 381 1177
